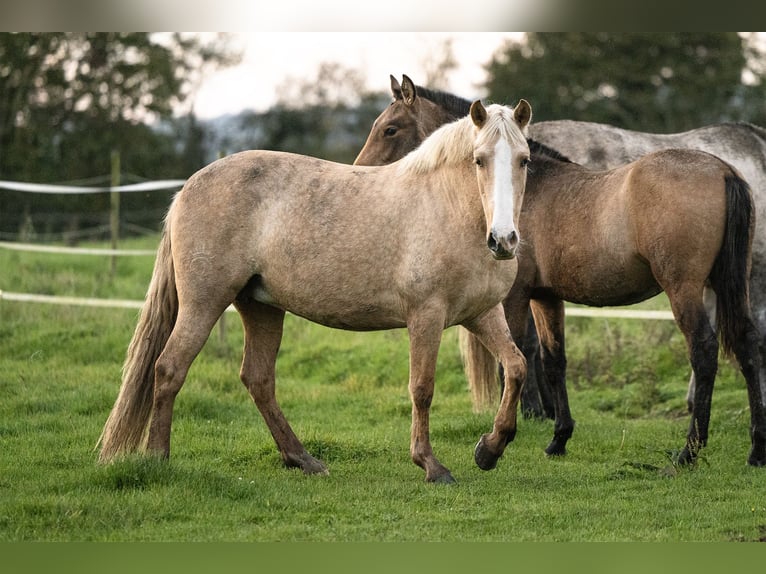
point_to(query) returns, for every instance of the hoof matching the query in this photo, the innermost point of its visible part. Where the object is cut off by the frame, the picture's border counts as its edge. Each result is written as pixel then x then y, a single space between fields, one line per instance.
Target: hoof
pixel 308 464
pixel 315 467
pixel 686 457
pixel 556 448
pixel 485 459
pixel 757 457
pixel 442 479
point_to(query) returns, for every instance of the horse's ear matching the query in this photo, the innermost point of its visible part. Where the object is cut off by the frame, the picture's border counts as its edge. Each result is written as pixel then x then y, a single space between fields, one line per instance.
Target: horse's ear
pixel 396 89
pixel 478 114
pixel 409 92
pixel 522 113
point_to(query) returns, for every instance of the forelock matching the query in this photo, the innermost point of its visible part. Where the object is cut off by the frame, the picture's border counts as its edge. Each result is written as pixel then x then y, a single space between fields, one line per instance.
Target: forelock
pixel 500 123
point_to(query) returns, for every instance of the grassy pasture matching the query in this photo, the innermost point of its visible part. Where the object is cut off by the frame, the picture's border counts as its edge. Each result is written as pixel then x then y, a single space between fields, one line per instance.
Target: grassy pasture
pixel 346 396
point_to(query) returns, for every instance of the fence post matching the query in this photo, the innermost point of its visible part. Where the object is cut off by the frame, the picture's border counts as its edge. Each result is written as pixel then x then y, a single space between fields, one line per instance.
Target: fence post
pixel 114 208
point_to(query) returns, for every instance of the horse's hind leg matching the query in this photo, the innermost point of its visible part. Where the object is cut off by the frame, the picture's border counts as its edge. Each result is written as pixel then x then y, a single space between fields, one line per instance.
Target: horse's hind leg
pixel 536 397
pixel 746 348
pixel 189 334
pixel 702 344
pixel 709 298
pixel 263 335
pixel 493 332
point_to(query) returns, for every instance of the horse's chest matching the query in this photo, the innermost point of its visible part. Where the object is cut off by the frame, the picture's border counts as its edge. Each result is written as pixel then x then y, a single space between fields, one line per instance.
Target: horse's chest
pixel 476 291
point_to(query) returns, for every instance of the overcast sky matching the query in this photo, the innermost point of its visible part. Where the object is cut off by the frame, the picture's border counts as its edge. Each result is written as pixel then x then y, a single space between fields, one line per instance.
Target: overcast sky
pixel 270 58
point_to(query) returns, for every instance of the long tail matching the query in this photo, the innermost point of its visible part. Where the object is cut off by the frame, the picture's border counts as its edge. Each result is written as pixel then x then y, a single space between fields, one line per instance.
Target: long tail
pixel 481 369
pixel 125 429
pixel 730 276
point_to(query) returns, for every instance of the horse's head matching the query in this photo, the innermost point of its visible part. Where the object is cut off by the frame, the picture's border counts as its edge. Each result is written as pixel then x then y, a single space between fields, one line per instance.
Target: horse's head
pixel 501 155
pixel 402 126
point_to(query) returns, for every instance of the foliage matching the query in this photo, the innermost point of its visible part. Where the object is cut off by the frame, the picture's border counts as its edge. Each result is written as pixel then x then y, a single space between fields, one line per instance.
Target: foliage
pixel 346 395
pixel 661 82
pixel 327 116
pixel 67 100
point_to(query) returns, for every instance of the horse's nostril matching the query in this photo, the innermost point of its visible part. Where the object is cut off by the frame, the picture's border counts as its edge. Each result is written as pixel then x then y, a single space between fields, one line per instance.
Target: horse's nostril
pixel 513 239
pixel 492 243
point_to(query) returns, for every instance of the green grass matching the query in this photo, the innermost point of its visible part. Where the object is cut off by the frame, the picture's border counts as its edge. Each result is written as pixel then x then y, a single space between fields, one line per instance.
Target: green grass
pixel 346 396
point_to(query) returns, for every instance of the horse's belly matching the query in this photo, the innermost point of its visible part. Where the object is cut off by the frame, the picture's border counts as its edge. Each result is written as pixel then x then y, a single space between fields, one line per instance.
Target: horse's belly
pixel 349 309
pixel 370 302
pixel 602 283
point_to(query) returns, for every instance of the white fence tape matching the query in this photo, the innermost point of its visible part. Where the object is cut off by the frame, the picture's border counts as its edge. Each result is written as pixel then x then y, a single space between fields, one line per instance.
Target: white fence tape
pixel 76 301
pixel 81 301
pixel 72 250
pixel 610 313
pixel 134 304
pixel 165 184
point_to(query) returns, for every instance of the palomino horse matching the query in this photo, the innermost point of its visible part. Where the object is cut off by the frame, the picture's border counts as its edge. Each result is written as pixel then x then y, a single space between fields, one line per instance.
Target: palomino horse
pixel 675 220
pixel 355 248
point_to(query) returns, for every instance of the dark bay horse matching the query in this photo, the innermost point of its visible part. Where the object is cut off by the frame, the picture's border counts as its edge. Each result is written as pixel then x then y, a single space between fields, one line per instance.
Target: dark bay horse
pixel 358 248
pixel 679 221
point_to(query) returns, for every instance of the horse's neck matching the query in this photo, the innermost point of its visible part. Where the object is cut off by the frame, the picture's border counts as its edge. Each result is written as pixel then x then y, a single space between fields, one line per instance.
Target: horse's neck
pixel 432 116
pixel 454 106
pixel 451 190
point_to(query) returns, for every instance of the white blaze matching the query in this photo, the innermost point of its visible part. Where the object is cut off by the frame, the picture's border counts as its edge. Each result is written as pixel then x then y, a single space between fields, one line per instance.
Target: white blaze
pixel 502 218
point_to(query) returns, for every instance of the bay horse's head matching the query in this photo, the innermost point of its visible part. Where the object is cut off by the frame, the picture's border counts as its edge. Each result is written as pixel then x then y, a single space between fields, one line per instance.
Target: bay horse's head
pixel 404 124
pixel 501 155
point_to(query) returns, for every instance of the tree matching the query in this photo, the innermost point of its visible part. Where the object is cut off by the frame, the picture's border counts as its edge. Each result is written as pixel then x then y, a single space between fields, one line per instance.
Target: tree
pixel 645 81
pixel 438 66
pixel 56 83
pixel 327 116
pixel 68 99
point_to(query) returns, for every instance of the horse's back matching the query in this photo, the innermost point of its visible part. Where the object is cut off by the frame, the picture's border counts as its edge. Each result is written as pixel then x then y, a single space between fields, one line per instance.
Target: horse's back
pixel 601 146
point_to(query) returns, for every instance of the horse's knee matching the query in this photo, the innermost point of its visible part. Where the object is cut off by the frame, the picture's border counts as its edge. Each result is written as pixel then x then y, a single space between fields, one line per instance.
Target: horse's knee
pixel 515 368
pixel 422 395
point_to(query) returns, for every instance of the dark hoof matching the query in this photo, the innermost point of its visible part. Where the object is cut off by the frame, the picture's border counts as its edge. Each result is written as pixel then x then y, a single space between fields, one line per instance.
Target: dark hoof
pixel 686 457
pixel 556 448
pixel 757 457
pixel 485 459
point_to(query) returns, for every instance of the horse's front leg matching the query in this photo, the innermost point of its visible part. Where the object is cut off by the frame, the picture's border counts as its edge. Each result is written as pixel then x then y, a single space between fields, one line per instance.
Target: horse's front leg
pixel 425 332
pixel 493 332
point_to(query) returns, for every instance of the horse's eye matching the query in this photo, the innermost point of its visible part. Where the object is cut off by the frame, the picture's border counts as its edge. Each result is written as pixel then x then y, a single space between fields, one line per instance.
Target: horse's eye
pixel 525 162
pixel 479 162
pixel 390 131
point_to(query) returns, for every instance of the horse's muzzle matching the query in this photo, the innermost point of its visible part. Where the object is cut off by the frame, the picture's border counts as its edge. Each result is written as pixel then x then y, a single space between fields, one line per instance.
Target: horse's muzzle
pixel 503 246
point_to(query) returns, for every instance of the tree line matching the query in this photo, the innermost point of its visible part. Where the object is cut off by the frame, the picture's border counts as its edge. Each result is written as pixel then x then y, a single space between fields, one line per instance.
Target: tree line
pixel 67 100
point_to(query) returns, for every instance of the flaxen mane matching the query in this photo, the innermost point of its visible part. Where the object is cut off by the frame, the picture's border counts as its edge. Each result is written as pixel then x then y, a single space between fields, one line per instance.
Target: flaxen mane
pixel 450 144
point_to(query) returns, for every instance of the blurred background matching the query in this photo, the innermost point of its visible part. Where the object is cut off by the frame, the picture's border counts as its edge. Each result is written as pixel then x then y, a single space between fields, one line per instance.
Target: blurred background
pixel 166 104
